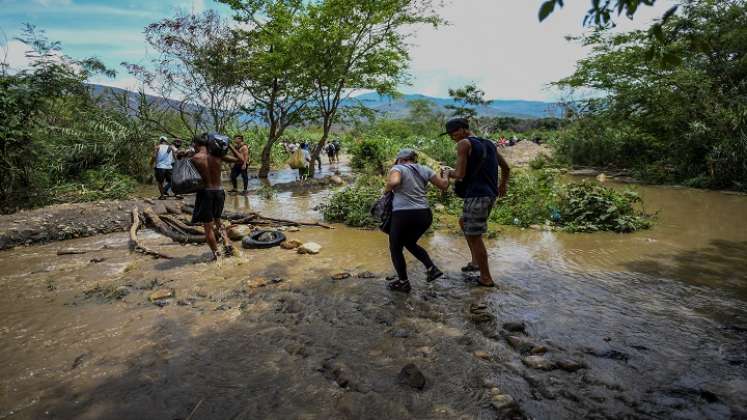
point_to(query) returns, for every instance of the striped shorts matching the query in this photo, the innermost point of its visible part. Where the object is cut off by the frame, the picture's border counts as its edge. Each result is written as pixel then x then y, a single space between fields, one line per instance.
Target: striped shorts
pixel 475 215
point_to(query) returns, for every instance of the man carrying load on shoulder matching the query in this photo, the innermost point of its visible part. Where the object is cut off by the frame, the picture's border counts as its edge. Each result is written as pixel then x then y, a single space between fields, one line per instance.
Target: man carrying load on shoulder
pixel 210 153
pixel 478 162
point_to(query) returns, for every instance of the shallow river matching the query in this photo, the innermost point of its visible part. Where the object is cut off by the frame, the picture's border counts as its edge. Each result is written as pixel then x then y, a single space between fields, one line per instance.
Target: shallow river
pixel 657 319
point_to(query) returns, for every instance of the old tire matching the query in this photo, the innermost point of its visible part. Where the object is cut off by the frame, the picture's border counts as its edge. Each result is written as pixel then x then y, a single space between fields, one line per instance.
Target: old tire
pixel 253 240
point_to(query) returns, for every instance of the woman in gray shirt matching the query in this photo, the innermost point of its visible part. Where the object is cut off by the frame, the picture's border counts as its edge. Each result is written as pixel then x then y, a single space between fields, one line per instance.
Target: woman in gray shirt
pixel 411 215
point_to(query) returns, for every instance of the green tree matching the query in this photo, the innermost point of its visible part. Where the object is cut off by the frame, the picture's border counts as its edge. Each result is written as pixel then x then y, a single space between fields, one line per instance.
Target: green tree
pixel 195 71
pixel 675 110
pixel 273 74
pixel 349 45
pixel 600 12
pixel 467 99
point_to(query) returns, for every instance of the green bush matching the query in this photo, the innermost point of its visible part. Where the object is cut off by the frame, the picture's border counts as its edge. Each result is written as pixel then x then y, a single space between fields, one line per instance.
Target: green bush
pixel 351 205
pixel 373 154
pixel 588 207
pixel 95 184
pixel 531 199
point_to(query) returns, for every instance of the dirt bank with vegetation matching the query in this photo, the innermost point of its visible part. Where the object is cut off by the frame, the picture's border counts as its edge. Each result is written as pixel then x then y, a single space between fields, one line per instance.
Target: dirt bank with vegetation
pixel 79 220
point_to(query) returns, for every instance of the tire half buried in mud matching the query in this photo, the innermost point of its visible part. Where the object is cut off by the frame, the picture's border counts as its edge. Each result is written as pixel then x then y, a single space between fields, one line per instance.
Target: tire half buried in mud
pixel 263 239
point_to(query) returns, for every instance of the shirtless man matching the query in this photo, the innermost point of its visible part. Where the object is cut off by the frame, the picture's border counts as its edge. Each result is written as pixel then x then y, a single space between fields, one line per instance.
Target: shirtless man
pixel 241 167
pixel 209 201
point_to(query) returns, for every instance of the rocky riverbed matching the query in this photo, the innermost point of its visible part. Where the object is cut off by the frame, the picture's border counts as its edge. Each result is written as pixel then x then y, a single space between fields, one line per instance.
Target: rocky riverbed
pixel 647 325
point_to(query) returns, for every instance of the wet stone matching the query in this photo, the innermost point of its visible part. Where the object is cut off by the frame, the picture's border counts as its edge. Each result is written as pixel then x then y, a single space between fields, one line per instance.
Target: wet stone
pixel 538 362
pixel 340 276
pixel 520 344
pixel 411 376
pixel 290 244
pixel 366 275
pixel 161 294
pixel 515 327
pixel 538 349
pixel 309 248
pixel 400 333
pixel 570 365
pixel 238 233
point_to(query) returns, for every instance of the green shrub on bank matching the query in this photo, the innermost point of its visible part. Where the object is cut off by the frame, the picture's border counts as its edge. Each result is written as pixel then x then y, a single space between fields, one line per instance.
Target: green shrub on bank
pixel 351 205
pixel 95 184
pixel 588 207
pixel 534 198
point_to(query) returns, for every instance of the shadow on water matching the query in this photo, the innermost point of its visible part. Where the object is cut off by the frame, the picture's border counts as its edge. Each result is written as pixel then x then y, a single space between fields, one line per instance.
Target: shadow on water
pixel 721 264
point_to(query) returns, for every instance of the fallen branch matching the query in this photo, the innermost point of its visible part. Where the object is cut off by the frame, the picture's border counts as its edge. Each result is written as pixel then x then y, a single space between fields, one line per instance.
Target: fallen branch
pixel 166 230
pixel 295 223
pixel 176 223
pixel 135 244
pixel 73 251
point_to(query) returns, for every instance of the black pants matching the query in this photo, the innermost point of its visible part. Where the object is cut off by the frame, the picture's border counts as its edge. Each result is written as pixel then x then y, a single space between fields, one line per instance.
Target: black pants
pixel 407 227
pixel 235 172
pixel 164 175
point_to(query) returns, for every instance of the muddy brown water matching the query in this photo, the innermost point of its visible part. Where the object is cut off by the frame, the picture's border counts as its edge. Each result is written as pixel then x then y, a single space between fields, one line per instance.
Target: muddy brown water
pixel 658 318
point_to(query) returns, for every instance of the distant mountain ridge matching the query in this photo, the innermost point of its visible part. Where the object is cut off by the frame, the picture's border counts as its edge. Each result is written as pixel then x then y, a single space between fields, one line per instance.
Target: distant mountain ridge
pixel 385 105
pixel 398 107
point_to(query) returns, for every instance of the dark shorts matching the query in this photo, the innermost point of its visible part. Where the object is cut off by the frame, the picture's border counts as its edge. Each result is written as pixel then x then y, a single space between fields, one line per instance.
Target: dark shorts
pixel 208 206
pixel 163 175
pixel 475 215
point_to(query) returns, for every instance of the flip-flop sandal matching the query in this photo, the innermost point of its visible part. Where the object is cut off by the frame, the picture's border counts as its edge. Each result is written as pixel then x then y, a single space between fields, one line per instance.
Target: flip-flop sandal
pixel 470 267
pixel 475 280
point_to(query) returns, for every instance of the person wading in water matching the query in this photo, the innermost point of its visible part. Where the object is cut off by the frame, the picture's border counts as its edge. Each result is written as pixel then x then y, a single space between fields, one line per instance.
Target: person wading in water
pixel 210 200
pixel 476 170
pixel 411 215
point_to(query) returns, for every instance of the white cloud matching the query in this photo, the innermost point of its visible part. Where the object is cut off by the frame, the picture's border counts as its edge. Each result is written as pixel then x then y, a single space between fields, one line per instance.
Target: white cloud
pixel 13 53
pixel 501 45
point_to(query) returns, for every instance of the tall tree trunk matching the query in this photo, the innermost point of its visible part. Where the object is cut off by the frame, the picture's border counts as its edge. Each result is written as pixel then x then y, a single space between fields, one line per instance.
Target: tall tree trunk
pixel 327 125
pixel 264 169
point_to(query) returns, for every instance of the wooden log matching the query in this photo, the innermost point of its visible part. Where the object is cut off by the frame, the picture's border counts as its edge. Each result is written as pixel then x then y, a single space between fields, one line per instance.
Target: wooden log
pixel 166 230
pixel 135 244
pixel 175 222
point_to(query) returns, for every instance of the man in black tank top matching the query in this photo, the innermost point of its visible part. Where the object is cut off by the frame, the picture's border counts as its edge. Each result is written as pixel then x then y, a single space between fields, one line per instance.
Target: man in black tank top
pixel 477 166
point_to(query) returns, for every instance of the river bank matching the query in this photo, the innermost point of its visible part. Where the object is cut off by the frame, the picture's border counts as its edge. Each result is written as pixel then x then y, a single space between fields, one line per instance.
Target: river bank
pixel 643 325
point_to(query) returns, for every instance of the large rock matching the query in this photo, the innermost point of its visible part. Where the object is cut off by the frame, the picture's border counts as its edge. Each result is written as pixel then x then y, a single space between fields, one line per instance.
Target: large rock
pixel 238 233
pixel 411 376
pixel 309 248
pixel 337 180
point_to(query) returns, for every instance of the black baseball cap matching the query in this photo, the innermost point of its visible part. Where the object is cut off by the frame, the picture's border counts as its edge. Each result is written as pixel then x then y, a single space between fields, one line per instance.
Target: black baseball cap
pixel 455 124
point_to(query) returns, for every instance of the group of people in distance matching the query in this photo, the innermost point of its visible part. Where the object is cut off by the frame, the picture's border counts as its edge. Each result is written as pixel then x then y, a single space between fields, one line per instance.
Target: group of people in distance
pixel 477 174
pixel 332 149
pixel 477 166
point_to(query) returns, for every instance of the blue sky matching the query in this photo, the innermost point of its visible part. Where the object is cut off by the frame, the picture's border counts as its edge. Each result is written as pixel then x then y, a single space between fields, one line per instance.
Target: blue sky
pixel 498 44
